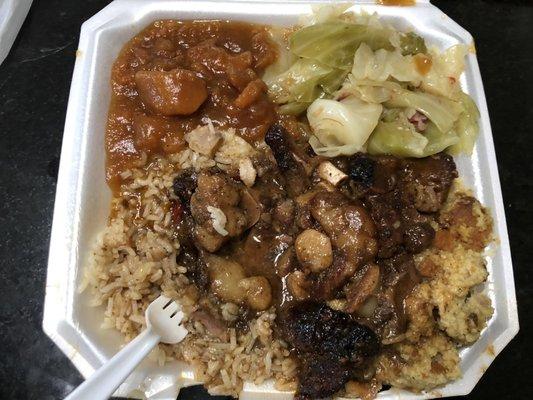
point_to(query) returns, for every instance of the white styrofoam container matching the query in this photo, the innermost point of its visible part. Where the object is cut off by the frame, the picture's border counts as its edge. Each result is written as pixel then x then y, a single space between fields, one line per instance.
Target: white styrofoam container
pixel 82 199
pixel 12 15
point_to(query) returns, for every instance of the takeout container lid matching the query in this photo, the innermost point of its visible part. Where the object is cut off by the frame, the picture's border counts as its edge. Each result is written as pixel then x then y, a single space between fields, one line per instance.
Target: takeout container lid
pixel 82 198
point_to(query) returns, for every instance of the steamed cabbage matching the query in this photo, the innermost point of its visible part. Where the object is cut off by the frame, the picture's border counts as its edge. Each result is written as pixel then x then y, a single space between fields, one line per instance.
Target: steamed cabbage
pixel 467 127
pixel 324 54
pixel 334 43
pixel 382 65
pixel 411 44
pixel 301 82
pixel 341 127
pixel 397 138
pixel 437 140
pixel 367 90
pixel 360 83
pixel 331 82
pixel 372 94
pixel 324 13
pixel 284 60
pixel 442 111
pixel 443 77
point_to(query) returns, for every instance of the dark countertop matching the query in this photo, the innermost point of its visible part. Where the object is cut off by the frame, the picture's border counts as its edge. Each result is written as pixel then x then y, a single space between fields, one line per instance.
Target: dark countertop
pixel 34 86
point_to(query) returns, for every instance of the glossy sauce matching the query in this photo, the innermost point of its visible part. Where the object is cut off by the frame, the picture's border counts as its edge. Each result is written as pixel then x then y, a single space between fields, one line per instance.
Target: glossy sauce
pixel 259 254
pixel 396 2
pixel 226 55
pixel 423 63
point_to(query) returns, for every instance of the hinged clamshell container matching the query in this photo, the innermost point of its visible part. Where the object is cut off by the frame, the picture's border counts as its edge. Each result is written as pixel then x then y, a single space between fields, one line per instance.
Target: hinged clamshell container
pixel 82 199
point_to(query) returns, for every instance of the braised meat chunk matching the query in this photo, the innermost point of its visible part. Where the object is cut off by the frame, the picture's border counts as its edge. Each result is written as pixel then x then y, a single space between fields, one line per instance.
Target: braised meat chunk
pixel 229 282
pixel 386 211
pixel 332 279
pixel 363 285
pixel 352 233
pixel 418 237
pixel 330 346
pixel 399 278
pixel 221 208
pixel 348 225
pixel 290 160
pixel 427 181
pixel 321 376
pixel 156 133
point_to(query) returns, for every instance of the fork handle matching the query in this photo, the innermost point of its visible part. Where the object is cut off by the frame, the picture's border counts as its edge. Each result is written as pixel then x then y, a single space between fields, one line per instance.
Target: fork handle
pixel 103 383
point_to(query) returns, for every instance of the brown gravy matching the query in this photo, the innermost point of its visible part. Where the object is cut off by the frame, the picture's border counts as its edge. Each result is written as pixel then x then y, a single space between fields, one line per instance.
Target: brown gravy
pixel 226 55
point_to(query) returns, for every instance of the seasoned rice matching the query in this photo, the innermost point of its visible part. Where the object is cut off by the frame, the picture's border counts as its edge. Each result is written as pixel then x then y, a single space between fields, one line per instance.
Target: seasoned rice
pixel 134 261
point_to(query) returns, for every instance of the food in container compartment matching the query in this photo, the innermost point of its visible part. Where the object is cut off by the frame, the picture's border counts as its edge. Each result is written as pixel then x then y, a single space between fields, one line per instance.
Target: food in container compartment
pixel 299 199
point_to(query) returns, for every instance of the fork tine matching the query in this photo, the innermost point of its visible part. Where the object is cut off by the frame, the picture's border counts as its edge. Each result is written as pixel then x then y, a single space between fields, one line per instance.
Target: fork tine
pixel 161 301
pixel 171 308
pixel 178 316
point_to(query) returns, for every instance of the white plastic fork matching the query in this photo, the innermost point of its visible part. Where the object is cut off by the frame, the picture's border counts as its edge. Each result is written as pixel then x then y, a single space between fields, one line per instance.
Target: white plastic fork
pixel 163 318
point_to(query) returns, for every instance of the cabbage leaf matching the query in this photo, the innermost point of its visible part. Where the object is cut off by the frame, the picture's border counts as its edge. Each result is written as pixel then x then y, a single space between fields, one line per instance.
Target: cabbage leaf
pixel 467 127
pixel 284 58
pixel 341 127
pixel 411 44
pixel 442 111
pixel 382 65
pixel 397 138
pixel 301 82
pixel 437 140
pixel 334 43
pixel 293 108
